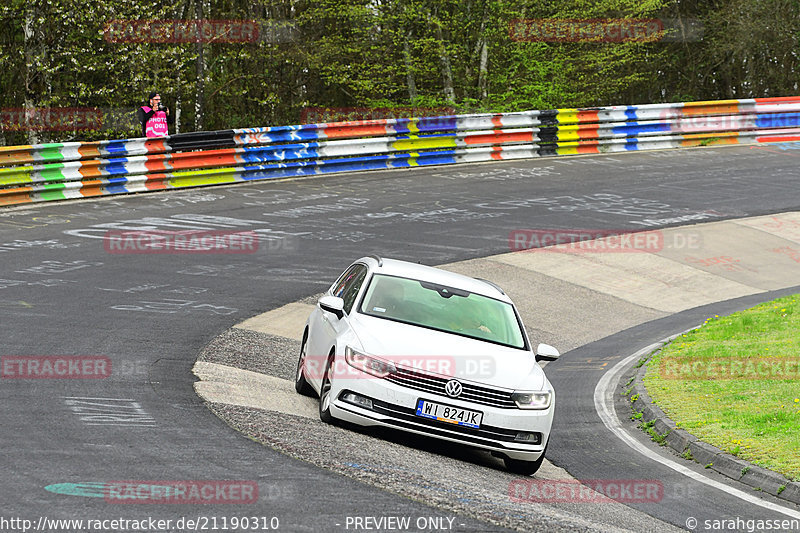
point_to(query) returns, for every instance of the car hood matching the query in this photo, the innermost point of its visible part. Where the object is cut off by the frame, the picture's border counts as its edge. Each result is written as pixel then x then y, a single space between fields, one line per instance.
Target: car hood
pixel 448 354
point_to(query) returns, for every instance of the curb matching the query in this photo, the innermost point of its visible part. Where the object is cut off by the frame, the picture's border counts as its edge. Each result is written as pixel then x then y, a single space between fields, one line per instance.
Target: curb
pixel 690 447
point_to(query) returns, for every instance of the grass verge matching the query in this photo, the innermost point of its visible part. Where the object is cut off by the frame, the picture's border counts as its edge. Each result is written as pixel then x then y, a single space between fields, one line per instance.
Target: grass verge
pixel 735 383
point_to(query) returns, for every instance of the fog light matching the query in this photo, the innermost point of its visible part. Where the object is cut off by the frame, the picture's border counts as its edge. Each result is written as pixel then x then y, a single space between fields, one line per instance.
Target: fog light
pixel 530 438
pixel 357 399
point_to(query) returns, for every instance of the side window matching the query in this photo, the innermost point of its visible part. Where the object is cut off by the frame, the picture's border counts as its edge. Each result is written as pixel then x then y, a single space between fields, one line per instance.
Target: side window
pixel 349 284
pixel 337 289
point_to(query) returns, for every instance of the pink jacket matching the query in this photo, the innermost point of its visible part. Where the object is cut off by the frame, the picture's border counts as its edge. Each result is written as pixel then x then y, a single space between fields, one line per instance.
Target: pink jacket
pixel 156 125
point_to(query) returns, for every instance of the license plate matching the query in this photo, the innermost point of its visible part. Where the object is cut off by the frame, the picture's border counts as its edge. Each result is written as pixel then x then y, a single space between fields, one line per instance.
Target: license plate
pixel 449 414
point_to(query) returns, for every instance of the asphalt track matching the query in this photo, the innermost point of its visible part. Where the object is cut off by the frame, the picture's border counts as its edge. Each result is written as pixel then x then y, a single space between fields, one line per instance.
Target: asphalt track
pixel 63 293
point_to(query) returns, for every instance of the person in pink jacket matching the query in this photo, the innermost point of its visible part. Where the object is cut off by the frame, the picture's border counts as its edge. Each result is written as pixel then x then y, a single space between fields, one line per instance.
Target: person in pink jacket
pixel 154 118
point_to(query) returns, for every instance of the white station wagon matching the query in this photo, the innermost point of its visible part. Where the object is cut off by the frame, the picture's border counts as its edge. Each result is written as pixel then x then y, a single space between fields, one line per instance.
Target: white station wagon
pixel 424 350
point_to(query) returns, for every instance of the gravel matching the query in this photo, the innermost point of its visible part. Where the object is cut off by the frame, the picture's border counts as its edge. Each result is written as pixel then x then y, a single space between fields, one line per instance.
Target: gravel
pixel 454 478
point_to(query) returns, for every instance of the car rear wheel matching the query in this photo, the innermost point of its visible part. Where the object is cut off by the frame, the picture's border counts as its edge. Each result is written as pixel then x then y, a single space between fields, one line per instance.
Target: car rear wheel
pixel 300 383
pixel 325 392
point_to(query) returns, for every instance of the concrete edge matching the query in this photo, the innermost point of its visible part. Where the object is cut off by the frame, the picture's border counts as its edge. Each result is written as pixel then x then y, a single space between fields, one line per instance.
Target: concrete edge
pixel 666 433
pixel 664 430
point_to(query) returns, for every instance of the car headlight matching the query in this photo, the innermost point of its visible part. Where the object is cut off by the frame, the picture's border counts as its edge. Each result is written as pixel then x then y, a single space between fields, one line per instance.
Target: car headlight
pixel 532 400
pixel 370 365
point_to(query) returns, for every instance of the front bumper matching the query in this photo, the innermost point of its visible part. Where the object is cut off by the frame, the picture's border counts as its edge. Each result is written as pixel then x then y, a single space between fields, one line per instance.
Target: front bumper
pixel 395 406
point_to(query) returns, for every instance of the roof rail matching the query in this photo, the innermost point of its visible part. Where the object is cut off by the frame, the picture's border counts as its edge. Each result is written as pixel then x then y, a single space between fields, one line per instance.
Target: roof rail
pixel 492 284
pixel 377 258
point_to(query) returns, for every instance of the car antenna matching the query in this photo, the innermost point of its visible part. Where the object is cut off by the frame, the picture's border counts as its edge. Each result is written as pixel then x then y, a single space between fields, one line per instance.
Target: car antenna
pixel 377 258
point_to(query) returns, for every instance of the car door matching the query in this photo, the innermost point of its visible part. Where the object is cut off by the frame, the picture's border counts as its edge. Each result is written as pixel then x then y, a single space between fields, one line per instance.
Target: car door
pixel 328 327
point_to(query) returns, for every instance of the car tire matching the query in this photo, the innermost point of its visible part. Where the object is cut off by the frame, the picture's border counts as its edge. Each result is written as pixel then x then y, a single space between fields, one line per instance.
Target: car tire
pixel 300 383
pixel 524 468
pixel 325 392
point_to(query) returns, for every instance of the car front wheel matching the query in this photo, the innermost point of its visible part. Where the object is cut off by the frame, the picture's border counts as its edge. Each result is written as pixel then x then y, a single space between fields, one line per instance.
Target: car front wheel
pixel 300 383
pixel 325 392
pixel 523 468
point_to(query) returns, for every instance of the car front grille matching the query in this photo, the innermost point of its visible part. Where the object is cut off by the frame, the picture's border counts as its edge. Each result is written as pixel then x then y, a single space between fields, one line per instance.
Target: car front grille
pixel 471 392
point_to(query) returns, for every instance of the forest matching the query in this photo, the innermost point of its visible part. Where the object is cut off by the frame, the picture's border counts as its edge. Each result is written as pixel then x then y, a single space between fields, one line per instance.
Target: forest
pixel 75 70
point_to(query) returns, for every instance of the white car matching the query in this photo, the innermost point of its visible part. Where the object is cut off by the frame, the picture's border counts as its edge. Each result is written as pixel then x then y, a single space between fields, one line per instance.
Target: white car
pixel 428 351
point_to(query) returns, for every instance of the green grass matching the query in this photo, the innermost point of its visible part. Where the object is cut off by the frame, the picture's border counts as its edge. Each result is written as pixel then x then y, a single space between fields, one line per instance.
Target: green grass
pixel 735 383
pixel 650 430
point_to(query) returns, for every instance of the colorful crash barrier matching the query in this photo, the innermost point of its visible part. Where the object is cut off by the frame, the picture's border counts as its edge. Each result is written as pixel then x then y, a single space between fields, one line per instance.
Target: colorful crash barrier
pixel 59 171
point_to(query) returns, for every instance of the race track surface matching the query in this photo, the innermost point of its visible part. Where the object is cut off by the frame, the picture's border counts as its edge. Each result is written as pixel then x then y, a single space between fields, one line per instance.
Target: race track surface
pixel 65 293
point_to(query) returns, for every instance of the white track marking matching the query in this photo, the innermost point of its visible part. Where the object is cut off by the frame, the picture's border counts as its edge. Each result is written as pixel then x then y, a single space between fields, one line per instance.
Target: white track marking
pixel 604 404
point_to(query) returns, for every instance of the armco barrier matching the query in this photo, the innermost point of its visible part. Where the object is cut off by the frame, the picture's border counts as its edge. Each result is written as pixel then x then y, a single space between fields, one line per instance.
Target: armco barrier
pixel 75 170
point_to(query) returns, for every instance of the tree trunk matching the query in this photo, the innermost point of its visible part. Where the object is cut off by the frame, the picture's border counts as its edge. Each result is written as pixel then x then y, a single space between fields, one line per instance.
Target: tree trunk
pixel 30 74
pixel 412 85
pixel 482 53
pixel 447 71
pixel 178 114
pixel 483 66
pixel 180 14
pixel 200 70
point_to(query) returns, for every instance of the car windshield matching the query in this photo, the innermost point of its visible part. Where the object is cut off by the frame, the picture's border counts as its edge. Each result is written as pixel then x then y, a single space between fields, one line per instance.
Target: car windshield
pixel 442 308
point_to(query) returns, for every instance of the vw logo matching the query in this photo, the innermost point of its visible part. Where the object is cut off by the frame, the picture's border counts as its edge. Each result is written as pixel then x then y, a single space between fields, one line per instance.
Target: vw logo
pixel 453 388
